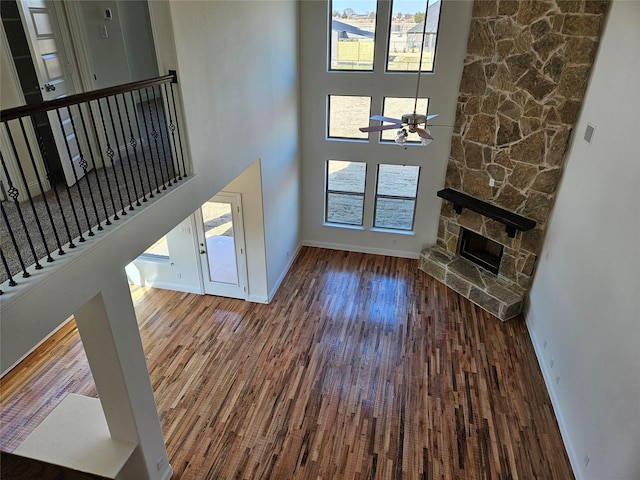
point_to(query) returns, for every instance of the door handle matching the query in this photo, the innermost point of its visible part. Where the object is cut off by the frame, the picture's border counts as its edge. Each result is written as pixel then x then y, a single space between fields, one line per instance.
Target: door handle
pixel 49 87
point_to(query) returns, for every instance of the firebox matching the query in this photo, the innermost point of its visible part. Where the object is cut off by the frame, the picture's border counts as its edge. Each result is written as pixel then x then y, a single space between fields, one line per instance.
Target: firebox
pixel 481 250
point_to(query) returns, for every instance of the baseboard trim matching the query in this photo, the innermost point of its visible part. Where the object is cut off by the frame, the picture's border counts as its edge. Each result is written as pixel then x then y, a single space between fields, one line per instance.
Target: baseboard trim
pixel 360 249
pixel 283 274
pixel 566 439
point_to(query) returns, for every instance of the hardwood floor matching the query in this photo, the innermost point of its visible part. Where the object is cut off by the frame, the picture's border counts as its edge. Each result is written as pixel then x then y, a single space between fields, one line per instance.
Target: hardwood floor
pixel 361 367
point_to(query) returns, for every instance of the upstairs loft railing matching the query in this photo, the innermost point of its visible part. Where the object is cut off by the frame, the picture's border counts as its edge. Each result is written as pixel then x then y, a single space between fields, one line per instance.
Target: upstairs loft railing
pixel 78 164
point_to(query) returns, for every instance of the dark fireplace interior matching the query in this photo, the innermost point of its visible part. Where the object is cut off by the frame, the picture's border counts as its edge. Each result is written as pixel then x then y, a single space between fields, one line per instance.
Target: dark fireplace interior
pixel 481 250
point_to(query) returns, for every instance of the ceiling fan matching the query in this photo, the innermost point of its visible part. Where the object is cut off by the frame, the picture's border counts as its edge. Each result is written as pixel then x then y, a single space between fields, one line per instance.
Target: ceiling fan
pixel 410 122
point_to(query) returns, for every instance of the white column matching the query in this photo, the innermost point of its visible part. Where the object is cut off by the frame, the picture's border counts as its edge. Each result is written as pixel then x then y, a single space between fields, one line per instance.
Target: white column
pixel 109 331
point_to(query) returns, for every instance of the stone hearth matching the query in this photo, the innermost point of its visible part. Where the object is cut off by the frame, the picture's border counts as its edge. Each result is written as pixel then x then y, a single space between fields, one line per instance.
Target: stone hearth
pixel 497 295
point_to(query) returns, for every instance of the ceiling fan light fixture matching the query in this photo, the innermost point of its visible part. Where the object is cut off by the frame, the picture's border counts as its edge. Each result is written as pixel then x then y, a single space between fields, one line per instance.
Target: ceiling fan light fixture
pixel 401 137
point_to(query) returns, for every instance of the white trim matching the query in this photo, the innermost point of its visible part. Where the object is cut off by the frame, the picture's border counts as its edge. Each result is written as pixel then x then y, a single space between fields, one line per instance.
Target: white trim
pixel 284 273
pixel 360 249
pixel 546 375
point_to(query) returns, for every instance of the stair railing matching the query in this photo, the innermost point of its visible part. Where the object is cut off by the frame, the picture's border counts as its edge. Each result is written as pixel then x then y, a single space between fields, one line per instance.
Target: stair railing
pixel 113 150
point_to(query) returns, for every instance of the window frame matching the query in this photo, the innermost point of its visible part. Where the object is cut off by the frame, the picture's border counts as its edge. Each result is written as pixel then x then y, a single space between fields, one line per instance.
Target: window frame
pixel 395 197
pixel 330 44
pixel 435 43
pixel 365 138
pixel 328 191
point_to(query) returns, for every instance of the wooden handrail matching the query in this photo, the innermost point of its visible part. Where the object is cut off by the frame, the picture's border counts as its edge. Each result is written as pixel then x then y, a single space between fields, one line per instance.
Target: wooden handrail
pixel 24 110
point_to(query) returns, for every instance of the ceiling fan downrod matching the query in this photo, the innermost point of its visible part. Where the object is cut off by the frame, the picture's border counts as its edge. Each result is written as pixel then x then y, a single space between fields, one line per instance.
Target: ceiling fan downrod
pixel 424 34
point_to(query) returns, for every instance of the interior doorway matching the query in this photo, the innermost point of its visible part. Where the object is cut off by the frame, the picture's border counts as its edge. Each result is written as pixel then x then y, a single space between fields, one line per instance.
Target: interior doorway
pixel 222 246
pixel 46 35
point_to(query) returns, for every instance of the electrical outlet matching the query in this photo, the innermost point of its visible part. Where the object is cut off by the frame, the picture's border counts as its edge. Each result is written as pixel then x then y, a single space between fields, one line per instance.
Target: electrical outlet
pixel 557 379
pixel 178 275
pixel 186 230
pixel 552 363
pixel 544 345
pixel 492 182
pixel 586 461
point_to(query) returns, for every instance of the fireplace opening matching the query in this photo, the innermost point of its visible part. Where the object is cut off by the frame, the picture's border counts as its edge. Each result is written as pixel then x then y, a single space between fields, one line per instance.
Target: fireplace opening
pixel 481 250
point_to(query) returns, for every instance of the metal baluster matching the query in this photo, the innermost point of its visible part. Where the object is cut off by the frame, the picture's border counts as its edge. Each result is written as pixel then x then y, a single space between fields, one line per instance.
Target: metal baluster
pixel 14 194
pixel 124 175
pixel 42 194
pixel 110 154
pixel 93 160
pixel 175 111
pixel 75 176
pixel 142 149
pixel 83 165
pixel 146 128
pixel 104 166
pixel 54 187
pixel 12 282
pixel 171 127
pixel 154 134
pixel 164 151
pixel 124 137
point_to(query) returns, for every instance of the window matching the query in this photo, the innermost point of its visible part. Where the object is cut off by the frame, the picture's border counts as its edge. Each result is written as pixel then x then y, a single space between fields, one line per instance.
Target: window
pixel 352 39
pixel 346 114
pixel 406 31
pixel 345 192
pixel 158 251
pixel 396 193
pixel 395 107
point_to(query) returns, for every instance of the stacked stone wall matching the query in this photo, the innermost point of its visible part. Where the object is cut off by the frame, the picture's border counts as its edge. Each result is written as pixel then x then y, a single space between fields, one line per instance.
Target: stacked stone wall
pixel 524 79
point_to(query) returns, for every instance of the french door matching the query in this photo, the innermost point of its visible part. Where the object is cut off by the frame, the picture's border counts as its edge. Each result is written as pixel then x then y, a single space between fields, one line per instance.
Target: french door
pixel 222 248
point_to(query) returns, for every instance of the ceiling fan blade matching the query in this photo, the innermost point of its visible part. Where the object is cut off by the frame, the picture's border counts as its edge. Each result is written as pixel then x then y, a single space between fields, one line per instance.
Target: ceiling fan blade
pixel 378 128
pixel 429 117
pixel 423 133
pixel 380 118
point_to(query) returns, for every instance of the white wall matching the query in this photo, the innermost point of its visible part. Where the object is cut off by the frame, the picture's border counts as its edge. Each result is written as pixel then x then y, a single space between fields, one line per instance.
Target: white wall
pixel 584 311
pixel 138 39
pixel 316 83
pixel 107 56
pixel 237 63
pixel 181 271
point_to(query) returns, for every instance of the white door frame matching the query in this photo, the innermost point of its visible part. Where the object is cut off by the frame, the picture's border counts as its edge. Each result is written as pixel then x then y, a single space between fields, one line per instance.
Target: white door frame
pixel 241 290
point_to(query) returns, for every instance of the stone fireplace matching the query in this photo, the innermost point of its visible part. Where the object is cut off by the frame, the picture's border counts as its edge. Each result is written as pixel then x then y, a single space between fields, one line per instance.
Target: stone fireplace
pixel 524 78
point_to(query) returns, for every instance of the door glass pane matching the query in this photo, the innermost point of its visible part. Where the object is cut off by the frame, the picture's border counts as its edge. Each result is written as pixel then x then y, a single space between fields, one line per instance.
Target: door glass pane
pixel 352 35
pixel 406 33
pixel 218 232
